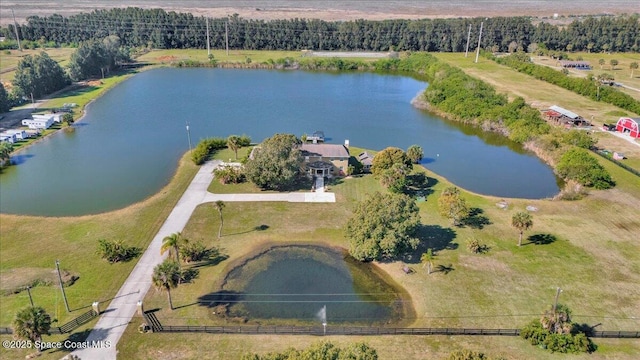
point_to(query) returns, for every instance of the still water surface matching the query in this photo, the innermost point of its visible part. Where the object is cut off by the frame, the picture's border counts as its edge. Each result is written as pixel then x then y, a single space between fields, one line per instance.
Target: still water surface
pixel 127 146
pixel 310 284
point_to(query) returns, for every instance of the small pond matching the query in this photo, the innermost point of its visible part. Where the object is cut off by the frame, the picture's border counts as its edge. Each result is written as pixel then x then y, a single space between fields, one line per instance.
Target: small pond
pixel 296 282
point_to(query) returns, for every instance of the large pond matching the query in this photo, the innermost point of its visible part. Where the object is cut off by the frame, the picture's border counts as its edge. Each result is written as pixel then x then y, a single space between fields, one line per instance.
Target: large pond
pixel 310 284
pixel 127 146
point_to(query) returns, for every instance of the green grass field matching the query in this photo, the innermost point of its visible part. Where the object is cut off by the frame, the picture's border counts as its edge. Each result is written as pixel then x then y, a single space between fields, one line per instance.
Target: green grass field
pixel 9 60
pixel 621 73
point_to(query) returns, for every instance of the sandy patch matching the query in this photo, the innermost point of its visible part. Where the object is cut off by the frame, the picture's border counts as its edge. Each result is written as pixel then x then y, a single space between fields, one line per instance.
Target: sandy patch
pixel 483 263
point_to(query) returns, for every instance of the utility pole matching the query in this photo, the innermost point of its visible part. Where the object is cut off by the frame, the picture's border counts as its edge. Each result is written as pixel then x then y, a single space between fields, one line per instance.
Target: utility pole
pixel 555 303
pixel 64 296
pixel 226 35
pixel 466 52
pixel 208 46
pixel 15 27
pixel 479 38
pixel 30 298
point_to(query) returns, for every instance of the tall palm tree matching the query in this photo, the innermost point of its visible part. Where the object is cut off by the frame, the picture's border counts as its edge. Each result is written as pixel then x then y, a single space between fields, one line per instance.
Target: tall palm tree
pixel 166 276
pixel 31 323
pixel 233 143
pixel 521 221
pixel 219 206
pixel 427 259
pixel 172 242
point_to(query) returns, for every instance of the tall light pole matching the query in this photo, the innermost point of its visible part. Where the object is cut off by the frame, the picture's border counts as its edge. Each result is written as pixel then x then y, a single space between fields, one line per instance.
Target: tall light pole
pixel 189 136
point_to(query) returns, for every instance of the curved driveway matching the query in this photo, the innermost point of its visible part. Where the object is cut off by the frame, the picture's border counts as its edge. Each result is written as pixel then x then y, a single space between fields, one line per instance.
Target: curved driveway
pixel 118 315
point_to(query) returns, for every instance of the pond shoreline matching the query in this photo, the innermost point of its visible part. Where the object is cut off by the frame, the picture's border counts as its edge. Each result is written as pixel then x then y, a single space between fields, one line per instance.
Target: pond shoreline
pixel 111 86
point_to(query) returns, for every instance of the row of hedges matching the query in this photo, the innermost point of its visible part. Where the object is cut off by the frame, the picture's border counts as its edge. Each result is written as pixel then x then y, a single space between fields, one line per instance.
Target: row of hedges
pixel 583 86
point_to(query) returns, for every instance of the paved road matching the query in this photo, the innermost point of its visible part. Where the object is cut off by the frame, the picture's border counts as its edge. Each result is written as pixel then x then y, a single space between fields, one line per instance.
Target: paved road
pixel 123 307
pixel 120 311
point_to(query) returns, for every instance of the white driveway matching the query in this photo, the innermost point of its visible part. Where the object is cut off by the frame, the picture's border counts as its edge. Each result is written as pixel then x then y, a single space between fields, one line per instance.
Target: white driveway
pixel 118 315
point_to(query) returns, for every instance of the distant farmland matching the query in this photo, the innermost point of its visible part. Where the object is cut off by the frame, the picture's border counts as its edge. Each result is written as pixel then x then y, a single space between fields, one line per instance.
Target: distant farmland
pixel 346 10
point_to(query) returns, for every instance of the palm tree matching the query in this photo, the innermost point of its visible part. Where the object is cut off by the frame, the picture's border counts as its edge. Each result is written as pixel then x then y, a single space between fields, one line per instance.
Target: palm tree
pixel 166 276
pixel 633 66
pixel 219 206
pixel 521 221
pixel 172 242
pixel 233 143
pixel 427 259
pixel 30 323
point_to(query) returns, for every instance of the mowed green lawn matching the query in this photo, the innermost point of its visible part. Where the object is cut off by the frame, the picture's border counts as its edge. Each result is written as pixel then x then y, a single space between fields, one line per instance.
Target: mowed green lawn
pixel 30 246
pixel 594 259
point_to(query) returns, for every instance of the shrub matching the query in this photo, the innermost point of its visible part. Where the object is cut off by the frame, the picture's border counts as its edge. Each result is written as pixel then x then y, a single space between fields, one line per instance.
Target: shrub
pixel 229 174
pixel 563 343
pixel 115 251
pixel 195 251
pixel 577 164
pixel 205 148
pixel 476 247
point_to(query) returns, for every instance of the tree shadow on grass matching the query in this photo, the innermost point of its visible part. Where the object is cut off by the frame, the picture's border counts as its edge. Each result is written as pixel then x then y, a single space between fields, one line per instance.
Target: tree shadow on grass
pixel 214 257
pixel 222 297
pixel 476 219
pixel 433 237
pixel 445 269
pixel 261 227
pixel 81 336
pixel 420 185
pixel 541 239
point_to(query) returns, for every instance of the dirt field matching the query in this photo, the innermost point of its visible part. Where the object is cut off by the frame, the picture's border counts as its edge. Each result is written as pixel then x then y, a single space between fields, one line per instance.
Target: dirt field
pixel 339 10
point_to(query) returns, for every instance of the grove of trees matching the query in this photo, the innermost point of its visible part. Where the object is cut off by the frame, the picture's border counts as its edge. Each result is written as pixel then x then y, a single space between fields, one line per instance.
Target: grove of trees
pixel 383 226
pixel 38 75
pixel 170 30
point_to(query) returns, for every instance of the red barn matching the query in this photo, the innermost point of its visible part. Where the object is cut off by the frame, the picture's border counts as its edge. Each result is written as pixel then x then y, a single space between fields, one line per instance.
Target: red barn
pixel 629 126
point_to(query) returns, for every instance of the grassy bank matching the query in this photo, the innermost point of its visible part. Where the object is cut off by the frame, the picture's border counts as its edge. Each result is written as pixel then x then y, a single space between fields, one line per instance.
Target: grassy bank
pixel 591 255
pixel 30 246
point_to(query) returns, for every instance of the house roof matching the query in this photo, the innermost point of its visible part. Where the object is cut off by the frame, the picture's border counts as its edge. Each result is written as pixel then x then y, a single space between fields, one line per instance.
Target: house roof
pixel 365 158
pixel 565 112
pixel 325 150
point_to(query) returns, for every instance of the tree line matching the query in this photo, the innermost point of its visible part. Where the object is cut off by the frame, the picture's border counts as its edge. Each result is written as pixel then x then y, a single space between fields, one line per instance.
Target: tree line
pixel 170 30
pixel 39 75
pixel 589 86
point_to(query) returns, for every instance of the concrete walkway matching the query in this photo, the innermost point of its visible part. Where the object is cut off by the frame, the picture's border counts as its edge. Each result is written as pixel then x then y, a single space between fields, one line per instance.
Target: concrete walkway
pixel 118 315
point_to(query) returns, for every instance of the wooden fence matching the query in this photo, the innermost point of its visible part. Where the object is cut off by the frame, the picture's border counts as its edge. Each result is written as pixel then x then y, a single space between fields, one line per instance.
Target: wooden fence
pixel 349 330
pixel 64 329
